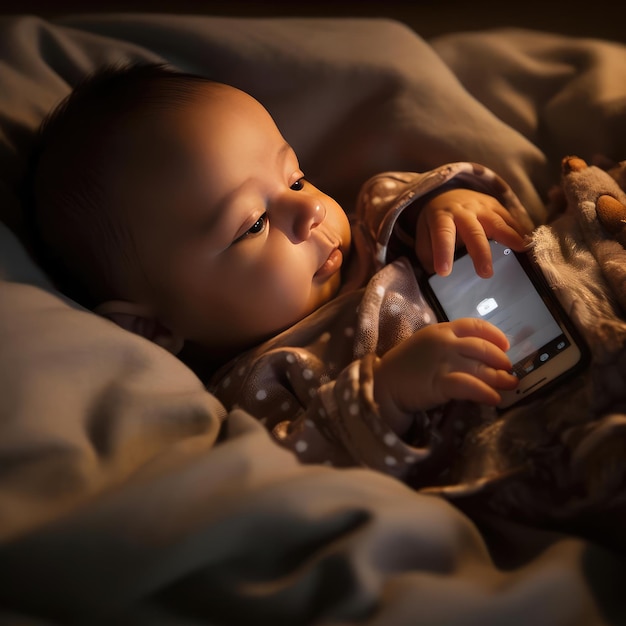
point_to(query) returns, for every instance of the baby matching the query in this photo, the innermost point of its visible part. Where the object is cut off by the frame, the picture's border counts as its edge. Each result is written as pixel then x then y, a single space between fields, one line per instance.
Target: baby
pixel 174 206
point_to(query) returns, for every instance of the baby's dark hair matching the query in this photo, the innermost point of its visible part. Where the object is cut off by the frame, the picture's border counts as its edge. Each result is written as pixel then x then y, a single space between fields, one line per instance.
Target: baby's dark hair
pixel 69 186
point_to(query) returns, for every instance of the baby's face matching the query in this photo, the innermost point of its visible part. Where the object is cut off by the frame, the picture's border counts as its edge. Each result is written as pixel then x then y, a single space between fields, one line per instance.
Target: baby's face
pixel 233 243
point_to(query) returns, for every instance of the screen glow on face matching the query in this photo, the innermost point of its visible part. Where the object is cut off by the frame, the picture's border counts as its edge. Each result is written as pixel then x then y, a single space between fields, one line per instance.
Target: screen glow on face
pixel 509 301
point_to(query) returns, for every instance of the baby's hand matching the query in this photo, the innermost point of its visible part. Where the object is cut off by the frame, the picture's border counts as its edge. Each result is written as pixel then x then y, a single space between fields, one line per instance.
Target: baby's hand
pixel 471 217
pixel 463 360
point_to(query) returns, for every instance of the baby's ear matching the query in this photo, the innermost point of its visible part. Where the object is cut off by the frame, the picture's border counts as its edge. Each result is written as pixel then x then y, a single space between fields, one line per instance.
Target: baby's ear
pixel 139 320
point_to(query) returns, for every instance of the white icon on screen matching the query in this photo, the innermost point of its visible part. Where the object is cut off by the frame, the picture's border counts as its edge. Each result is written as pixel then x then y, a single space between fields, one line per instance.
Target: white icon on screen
pixel 486 306
pixel 507 251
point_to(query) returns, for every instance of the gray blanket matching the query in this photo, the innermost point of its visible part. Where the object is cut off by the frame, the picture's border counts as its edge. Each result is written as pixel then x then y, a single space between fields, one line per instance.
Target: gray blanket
pixel 127 494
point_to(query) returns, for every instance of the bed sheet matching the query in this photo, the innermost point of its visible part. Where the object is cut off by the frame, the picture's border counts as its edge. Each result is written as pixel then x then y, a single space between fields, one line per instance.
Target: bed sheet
pixel 128 495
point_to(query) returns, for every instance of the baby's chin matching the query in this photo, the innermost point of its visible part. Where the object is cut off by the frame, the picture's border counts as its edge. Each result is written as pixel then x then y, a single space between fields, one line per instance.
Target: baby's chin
pixel 321 298
pixel 224 347
pixel 327 291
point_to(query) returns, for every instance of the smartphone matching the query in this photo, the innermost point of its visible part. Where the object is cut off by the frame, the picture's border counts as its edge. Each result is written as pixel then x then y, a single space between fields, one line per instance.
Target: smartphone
pixel 544 345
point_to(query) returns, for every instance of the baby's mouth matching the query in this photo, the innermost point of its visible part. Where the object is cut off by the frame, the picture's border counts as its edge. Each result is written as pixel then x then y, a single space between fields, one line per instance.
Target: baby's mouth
pixel 331 265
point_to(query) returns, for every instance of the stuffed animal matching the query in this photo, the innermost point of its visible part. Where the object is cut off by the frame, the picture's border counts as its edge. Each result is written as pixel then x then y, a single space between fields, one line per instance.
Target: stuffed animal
pixel 610 207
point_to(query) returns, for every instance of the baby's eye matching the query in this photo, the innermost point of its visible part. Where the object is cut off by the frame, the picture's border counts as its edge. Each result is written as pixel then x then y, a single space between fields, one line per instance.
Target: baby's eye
pixel 298 185
pixel 256 228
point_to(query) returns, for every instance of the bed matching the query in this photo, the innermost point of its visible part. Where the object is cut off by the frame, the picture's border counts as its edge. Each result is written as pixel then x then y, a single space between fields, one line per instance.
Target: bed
pixel 128 495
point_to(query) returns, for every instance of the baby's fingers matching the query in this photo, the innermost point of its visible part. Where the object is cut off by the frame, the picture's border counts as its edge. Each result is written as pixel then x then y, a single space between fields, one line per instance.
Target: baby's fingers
pixel 435 241
pixel 464 386
pixel 481 329
pixel 443 235
pixel 484 353
pixel 496 378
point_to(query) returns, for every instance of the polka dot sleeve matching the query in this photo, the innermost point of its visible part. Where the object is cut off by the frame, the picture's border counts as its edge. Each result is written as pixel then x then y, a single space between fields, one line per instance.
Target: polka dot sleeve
pixel 352 417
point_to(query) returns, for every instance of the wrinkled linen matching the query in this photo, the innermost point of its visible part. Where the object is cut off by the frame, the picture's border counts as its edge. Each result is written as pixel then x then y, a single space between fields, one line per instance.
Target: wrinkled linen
pixel 128 495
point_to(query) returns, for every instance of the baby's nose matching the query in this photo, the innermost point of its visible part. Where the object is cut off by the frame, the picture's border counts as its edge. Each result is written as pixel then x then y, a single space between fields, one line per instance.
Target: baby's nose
pixel 298 214
pixel 309 215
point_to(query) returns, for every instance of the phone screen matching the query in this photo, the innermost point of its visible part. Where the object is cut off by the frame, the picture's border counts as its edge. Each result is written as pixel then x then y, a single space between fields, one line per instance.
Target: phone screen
pixel 510 301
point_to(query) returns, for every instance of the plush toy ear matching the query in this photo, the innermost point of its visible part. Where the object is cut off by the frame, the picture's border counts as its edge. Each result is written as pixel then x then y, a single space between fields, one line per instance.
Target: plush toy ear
pixel 572 164
pixel 139 320
pixel 612 214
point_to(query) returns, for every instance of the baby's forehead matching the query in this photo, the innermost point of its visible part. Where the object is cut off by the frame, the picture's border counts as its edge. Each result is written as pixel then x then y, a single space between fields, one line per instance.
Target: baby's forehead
pixel 200 142
pixel 219 118
pixel 173 123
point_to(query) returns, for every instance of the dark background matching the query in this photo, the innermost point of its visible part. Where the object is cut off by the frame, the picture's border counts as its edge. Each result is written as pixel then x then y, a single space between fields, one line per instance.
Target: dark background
pixel 599 18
